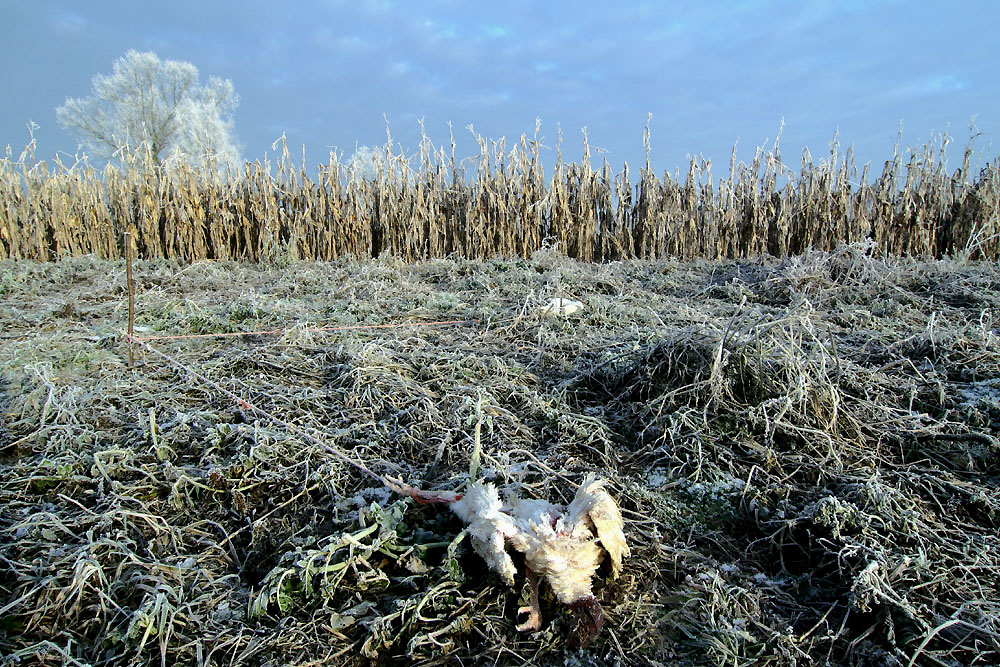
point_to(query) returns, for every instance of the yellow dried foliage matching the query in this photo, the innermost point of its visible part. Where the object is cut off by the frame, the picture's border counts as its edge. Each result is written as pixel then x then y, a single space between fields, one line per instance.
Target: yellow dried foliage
pixel 503 205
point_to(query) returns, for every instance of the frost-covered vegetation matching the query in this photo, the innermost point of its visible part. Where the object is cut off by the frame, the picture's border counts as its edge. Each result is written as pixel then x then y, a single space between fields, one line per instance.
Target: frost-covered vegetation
pixel 805 452
pixel 156 111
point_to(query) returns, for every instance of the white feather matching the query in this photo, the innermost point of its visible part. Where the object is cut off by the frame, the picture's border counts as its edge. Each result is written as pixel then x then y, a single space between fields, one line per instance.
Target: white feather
pixel 563 544
pixel 560 307
pixel 480 508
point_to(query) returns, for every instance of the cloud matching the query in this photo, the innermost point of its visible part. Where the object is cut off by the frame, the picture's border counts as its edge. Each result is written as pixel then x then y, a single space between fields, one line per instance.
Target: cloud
pixel 925 86
pixel 349 44
pixel 401 67
pixel 492 99
pixel 709 72
pixel 440 30
pixel 69 22
pixel 377 6
pixel 944 83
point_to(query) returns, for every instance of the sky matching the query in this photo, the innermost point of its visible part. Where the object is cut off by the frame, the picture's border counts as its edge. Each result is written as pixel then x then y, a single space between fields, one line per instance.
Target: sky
pixel 329 74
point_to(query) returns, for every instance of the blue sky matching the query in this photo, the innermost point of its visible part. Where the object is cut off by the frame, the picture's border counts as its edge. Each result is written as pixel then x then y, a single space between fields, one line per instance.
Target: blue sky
pixel 326 73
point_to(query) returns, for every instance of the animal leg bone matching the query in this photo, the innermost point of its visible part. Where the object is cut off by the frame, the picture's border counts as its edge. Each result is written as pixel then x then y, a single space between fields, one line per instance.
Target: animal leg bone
pixel 534 609
pixel 421 496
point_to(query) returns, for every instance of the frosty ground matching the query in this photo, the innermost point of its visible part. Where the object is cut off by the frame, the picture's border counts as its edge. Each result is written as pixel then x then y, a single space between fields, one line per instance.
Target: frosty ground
pixel 805 452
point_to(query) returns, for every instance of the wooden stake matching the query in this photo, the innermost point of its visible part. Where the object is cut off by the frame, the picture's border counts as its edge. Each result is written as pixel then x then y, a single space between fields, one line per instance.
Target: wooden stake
pixel 131 296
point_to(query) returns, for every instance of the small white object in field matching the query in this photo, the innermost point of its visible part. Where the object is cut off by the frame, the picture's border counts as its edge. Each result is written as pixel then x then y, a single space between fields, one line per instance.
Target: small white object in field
pixel 565 545
pixel 560 307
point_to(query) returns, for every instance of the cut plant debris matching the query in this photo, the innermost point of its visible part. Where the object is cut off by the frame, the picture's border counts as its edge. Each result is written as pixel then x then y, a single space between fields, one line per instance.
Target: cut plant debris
pixel 804 450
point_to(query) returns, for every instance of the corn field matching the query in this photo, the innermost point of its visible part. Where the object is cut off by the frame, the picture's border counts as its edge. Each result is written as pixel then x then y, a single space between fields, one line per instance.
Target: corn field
pixel 499 203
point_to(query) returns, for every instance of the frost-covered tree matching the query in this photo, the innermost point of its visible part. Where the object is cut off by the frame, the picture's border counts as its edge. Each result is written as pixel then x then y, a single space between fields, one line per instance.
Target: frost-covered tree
pixel 371 164
pixel 159 106
pixel 363 164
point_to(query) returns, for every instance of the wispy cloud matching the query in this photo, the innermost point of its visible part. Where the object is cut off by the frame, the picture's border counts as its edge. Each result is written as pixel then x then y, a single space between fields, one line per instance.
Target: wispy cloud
pixel 69 22
pixel 377 6
pixel 439 30
pixel 925 86
pixel 495 31
pixel 709 72
pixel 943 83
